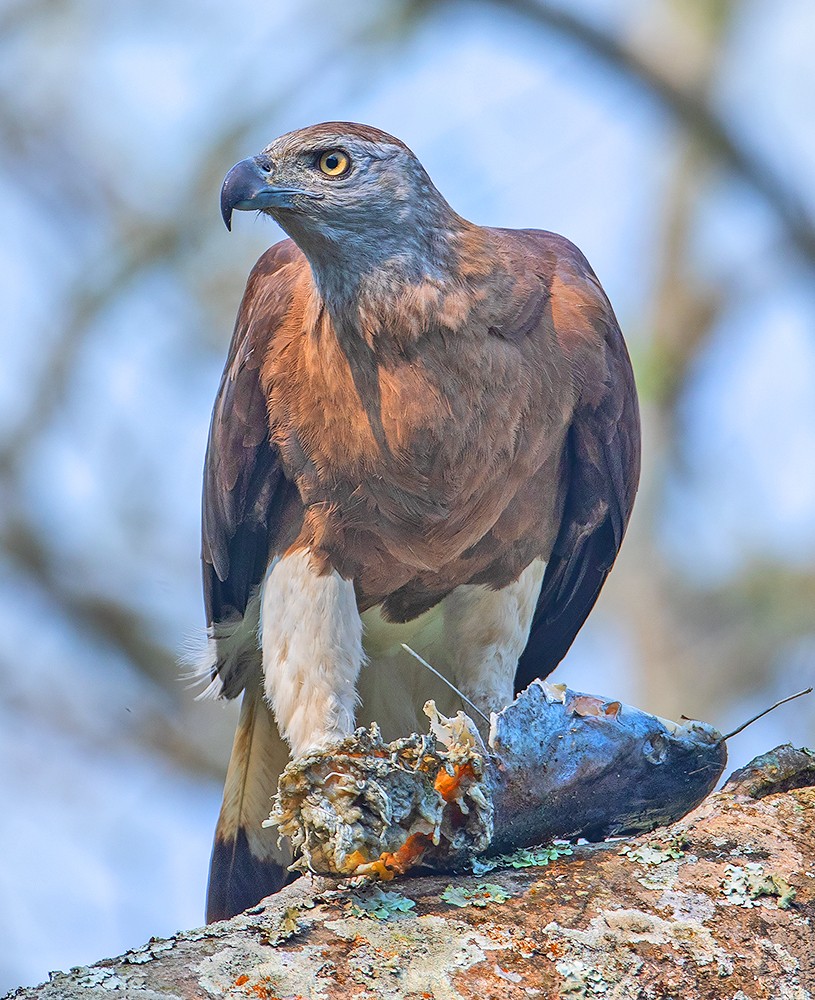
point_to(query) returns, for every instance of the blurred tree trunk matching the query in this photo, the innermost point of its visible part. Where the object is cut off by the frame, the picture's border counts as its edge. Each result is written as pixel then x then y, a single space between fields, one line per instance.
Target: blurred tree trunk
pixel 717 905
pixel 684 313
pixel 680 628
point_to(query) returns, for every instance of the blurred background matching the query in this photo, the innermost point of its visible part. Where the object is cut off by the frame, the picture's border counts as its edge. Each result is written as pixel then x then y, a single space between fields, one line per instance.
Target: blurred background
pixel 672 140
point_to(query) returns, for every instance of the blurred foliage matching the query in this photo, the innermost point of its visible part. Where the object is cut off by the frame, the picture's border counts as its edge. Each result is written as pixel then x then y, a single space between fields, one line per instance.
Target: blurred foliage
pixel 111 214
pixel 664 136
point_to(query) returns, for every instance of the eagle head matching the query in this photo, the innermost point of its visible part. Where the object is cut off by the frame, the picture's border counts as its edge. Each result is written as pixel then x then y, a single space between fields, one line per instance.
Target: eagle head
pixel 344 193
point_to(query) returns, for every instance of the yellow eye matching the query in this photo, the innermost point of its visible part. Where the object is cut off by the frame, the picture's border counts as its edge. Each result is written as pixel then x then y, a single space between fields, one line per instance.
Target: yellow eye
pixel 334 162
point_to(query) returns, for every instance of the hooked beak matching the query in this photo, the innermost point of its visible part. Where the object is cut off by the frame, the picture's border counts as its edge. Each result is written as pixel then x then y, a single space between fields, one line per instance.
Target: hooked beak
pixel 247 187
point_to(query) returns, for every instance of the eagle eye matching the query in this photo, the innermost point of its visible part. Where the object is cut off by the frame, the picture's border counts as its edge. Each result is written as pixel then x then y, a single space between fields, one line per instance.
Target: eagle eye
pixel 334 163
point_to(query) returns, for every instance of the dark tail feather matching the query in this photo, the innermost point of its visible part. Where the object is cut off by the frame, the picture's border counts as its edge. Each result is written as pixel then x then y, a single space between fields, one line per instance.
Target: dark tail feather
pixel 247 863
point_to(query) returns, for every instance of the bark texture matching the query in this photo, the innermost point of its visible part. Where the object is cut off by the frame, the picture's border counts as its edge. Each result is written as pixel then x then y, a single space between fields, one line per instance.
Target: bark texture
pixel 718 905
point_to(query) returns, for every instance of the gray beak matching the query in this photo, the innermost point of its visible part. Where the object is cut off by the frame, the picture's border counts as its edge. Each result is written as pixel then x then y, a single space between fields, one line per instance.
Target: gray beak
pixel 247 187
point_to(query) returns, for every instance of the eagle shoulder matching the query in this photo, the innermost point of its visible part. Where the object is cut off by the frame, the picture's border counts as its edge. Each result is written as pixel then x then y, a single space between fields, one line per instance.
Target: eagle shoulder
pixel 249 507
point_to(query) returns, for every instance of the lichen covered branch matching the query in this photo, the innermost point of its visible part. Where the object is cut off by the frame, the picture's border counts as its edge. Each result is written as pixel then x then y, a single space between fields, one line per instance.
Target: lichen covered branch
pixel 717 905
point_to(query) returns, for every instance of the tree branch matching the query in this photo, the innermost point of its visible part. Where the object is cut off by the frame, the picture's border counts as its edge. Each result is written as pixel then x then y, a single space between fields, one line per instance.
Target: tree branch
pixel 720 902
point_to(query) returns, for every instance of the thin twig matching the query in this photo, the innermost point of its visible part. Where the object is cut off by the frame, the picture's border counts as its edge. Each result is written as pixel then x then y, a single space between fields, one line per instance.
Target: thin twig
pixel 766 711
pixel 441 677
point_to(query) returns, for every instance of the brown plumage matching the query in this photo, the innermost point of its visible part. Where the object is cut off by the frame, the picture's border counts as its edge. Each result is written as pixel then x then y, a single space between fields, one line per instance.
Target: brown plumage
pixel 414 407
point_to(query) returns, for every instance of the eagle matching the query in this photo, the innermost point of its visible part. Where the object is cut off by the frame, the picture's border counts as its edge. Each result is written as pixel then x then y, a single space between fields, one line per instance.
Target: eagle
pixel 426 432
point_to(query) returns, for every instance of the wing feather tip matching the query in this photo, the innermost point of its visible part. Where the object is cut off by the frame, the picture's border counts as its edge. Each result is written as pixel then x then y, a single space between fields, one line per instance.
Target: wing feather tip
pixel 239 879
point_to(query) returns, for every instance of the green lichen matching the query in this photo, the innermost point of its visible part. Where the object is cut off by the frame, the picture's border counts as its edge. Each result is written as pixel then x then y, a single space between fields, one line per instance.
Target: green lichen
pixel 379 904
pixel 524 857
pixel 482 895
pixel 581 982
pixel 746 885
pixel 289 924
pixel 655 853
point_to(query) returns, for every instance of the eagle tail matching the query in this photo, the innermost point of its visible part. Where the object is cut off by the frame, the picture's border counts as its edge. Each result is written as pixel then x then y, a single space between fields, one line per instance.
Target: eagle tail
pixel 247 862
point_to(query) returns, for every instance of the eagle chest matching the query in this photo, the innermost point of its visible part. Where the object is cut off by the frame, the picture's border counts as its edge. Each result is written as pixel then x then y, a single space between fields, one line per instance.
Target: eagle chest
pixel 392 449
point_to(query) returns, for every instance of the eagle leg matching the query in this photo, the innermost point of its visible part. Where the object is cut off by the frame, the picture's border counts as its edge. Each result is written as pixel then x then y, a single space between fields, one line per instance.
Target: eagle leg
pixel 311 642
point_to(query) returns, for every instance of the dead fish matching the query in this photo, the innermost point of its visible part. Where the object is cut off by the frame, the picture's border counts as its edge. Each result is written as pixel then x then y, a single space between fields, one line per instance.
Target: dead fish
pixel 557 765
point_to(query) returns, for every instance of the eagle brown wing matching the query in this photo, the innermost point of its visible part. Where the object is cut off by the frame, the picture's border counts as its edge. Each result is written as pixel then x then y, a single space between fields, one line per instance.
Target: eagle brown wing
pixel 249 507
pixel 250 510
pixel 601 466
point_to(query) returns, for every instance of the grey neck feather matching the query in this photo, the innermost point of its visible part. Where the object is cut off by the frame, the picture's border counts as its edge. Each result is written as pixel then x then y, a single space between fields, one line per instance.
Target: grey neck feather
pixel 387 243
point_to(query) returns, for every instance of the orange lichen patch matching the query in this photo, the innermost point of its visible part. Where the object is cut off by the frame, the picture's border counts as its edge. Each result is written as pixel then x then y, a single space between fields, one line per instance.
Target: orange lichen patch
pixel 553 949
pixel 587 705
pixel 355 860
pixel 408 854
pixel 380 868
pixel 263 990
pixel 388 866
pixel 447 785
